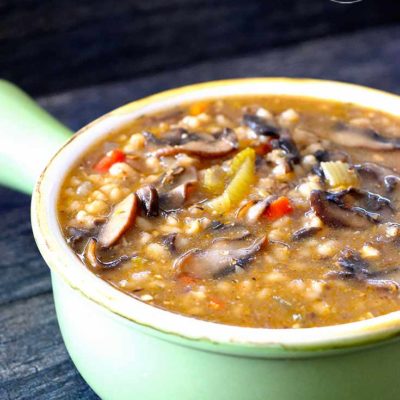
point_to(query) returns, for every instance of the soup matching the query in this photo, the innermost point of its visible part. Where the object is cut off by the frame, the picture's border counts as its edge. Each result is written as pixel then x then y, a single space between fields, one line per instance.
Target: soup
pixel 273 212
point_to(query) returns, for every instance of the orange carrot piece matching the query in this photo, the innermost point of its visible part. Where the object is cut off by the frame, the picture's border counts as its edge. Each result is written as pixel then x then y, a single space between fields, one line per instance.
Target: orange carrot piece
pixel 108 160
pixel 278 208
pixel 198 108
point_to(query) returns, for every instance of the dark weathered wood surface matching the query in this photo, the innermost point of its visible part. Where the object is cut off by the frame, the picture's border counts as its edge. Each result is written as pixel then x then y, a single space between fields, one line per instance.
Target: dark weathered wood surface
pixel 33 360
pixel 48 46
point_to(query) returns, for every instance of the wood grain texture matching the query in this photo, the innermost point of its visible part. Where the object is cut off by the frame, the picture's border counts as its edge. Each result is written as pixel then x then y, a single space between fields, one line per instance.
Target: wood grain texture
pixel 48 46
pixel 33 361
pixel 368 57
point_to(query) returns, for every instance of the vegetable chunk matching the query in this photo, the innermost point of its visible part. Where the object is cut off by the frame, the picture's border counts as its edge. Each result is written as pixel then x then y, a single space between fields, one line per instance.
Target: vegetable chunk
pixel 120 220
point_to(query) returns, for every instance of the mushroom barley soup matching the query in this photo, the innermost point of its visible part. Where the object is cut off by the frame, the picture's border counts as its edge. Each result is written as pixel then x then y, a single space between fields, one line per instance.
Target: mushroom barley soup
pixel 275 212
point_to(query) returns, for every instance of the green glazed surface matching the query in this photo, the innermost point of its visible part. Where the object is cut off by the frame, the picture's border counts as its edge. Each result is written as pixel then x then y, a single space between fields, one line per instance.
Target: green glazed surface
pixel 122 361
pixel 28 137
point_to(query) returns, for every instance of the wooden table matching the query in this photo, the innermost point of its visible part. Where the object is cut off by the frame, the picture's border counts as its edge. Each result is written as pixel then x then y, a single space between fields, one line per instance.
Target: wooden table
pixel 33 361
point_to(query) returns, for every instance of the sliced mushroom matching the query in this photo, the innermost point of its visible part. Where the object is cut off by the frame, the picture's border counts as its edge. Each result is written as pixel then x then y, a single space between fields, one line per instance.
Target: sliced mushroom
pixel 373 206
pixel 174 188
pixel 351 208
pixel 260 126
pixel 305 233
pixel 382 175
pixel 205 146
pixel 334 214
pixel 120 220
pixel 355 267
pixel 178 176
pixel 175 199
pixel 221 258
pixel 351 136
pixel 149 201
pixel 95 262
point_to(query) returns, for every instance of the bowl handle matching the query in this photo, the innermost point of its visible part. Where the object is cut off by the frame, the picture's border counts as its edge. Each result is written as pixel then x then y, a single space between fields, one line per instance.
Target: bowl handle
pixel 29 136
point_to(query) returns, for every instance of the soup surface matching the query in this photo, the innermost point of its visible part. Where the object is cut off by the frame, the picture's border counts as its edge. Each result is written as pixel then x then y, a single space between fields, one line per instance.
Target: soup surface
pixel 273 212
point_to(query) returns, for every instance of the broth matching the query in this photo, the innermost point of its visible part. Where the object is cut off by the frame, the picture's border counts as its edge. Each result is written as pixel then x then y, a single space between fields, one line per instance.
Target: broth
pixel 275 212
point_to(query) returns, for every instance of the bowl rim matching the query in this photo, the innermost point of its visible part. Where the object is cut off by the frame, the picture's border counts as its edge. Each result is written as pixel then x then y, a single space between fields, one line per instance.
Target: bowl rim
pixel 61 259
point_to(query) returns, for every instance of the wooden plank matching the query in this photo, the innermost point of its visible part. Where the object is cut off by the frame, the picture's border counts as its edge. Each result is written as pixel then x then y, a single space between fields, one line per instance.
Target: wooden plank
pixel 33 361
pixel 23 272
pixel 367 57
pixel 91 43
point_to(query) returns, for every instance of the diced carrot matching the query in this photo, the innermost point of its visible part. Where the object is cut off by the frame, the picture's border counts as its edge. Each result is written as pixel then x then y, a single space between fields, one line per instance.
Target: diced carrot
pixel 263 148
pixel 278 208
pixel 198 108
pixel 216 303
pixel 108 160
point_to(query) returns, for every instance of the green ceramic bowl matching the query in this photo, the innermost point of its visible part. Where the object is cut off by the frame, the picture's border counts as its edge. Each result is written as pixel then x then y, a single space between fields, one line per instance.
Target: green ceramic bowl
pixel 126 349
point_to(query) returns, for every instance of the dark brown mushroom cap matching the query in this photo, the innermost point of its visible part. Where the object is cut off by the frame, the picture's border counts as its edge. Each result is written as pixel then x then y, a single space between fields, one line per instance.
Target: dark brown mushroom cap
pixel 352 208
pixel 149 201
pixel 221 258
pixel 205 146
pixel 351 136
pixel 120 220
pixel 333 214
pixel 175 186
pixel 169 193
pixel 260 126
